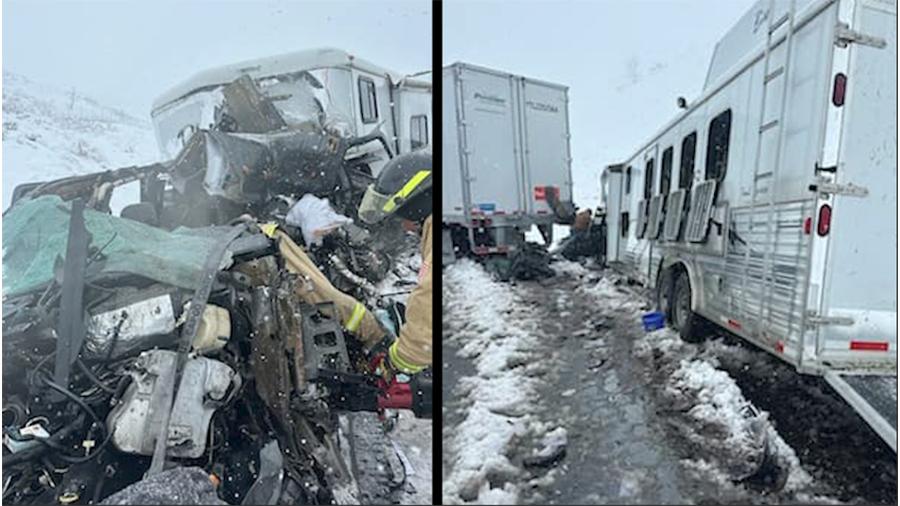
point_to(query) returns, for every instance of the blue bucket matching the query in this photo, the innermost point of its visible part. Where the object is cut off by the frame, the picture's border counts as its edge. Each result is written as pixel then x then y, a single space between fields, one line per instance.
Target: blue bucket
pixel 653 321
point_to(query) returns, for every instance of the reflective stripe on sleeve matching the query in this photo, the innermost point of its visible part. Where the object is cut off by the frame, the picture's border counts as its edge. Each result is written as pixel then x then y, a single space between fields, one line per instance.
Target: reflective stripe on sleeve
pixel 400 364
pixel 352 323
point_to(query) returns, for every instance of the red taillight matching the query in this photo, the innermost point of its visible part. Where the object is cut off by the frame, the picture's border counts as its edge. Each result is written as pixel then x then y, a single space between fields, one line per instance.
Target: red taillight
pixel 807 226
pixel 824 225
pixel 840 90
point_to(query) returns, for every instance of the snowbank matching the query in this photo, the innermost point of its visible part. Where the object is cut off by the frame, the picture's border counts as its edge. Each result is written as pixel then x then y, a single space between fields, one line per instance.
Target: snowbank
pixel 731 436
pixel 49 133
pixel 490 325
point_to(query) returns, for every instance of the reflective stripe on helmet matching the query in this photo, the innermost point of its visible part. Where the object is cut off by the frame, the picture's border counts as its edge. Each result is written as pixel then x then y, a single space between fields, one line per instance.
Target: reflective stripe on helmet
pixel 406 190
pixel 352 323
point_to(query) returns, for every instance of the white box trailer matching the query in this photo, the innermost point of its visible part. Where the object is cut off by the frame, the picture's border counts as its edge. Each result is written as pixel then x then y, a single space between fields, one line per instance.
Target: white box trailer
pixel 506 158
pixel 768 206
pixel 357 97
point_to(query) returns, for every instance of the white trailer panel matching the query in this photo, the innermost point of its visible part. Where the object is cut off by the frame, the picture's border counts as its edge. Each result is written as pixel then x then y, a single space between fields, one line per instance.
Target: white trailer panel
pixel 487 114
pixel 506 138
pixel 545 115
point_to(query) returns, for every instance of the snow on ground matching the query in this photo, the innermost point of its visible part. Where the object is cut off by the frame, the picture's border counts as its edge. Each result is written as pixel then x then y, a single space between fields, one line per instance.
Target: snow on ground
pixel 617 400
pixel 492 328
pixel 51 132
pixel 741 434
pixel 708 395
pixel 413 438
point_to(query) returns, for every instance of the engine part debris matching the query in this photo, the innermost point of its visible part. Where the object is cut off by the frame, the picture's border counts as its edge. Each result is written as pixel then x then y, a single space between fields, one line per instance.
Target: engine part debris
pixel 131 321
pixel 204 386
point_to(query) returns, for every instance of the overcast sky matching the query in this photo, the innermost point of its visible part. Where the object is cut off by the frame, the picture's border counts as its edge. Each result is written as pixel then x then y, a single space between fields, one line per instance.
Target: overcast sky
pixel 626 62
pixel 126 52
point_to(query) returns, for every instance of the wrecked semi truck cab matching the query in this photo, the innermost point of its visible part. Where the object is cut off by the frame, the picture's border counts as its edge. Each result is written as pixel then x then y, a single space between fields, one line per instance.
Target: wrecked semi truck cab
pixel 345 95
pixel 506 160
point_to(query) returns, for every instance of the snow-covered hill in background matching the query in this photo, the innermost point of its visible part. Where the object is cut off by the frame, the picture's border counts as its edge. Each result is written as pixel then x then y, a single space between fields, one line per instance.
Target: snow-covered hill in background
pixel 51 132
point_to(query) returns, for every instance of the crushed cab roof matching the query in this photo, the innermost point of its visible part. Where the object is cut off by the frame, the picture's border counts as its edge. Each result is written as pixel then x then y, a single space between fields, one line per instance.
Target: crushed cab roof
pixel 272 65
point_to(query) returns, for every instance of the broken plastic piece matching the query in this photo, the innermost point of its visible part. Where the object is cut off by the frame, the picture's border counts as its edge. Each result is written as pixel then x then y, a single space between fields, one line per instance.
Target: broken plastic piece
pixel 214 330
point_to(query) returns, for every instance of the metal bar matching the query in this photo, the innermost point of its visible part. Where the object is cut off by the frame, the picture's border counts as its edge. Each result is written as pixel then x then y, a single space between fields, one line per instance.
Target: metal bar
pixel 70 328
pixel 188 332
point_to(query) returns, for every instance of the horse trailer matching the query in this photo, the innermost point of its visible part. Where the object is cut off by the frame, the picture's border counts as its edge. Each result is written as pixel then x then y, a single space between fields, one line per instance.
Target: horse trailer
pixel 768 206
pixel 506 159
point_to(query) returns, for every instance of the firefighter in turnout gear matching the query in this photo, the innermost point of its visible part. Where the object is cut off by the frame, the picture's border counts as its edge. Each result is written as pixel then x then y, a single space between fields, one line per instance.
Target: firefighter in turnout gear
pixel 403 190
pixel 316 288
pixel 396 356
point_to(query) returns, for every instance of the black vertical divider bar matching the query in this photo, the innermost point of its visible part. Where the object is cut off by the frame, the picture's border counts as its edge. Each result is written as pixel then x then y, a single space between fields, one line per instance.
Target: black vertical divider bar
pixel 436 145
pixel 70 328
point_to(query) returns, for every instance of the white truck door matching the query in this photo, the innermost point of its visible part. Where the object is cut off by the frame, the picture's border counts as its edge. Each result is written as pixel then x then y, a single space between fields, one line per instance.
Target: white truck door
pixel 372 101
pixel 413 118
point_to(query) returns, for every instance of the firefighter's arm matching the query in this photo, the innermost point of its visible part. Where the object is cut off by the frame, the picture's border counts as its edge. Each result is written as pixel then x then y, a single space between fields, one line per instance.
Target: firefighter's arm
pixel 411 352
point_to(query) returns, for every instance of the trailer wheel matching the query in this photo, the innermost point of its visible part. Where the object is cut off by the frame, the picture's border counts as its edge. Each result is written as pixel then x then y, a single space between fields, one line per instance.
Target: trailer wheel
pixel 664 293
pixel 684 320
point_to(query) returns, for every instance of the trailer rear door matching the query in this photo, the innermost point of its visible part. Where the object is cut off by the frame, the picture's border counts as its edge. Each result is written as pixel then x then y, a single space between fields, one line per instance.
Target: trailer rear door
pixel 860 283
pixel 490 139
pixel 613 215
pixel 545 110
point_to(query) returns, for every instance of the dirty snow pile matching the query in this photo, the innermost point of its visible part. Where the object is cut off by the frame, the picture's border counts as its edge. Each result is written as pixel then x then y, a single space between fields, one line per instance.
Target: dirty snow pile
pixel 731 439
pixel 728 438
pixel 50 132
pixel 494 330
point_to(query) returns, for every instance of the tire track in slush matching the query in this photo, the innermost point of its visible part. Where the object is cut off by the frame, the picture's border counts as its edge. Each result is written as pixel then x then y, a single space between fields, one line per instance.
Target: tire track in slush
pixel 625 446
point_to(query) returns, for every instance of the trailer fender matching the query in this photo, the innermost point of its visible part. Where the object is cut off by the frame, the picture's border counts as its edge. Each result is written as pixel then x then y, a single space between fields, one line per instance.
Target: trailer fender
pixel 669 264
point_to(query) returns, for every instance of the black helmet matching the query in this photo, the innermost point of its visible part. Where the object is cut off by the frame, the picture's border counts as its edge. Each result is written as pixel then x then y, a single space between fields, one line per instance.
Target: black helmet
pixel 403 188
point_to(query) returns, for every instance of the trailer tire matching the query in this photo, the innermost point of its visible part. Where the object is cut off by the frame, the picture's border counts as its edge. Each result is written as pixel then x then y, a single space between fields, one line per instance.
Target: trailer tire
pixel 664 293
pixel 688 324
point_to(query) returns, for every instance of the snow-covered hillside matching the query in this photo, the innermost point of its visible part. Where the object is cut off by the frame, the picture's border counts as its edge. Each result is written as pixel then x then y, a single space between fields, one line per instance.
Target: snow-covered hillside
pixel 51 132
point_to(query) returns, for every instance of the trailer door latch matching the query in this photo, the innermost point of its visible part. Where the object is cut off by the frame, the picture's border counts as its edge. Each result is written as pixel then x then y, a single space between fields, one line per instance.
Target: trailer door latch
pixel 843 36
pixel 814 319
pixel 849 189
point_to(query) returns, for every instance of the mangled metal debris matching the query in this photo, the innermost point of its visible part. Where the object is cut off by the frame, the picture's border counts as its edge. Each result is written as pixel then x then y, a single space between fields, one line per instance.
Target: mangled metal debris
pixel 172 345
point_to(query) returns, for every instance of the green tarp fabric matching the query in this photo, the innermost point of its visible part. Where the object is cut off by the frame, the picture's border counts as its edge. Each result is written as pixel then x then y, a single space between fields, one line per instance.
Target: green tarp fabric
pixel 35 233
